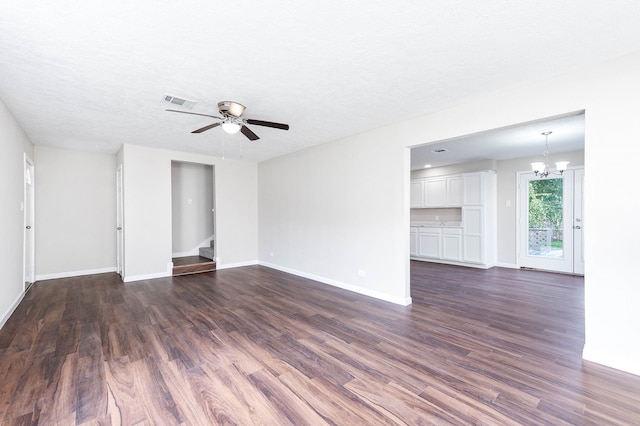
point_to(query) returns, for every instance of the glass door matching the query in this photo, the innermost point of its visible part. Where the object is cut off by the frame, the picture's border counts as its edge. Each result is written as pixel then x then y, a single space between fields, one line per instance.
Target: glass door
pixel 546 222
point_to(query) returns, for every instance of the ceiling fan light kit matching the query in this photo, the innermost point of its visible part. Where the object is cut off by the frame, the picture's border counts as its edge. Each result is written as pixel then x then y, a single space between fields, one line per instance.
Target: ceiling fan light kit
pixel 541 169
pixel 232 121
pixel 231 127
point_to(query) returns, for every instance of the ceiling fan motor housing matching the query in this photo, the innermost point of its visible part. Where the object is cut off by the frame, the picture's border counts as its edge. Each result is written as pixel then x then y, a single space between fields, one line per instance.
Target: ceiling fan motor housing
pixel 230 108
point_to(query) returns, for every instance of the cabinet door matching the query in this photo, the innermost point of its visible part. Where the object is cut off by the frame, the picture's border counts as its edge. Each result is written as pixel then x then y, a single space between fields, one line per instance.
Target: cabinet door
pixel 452 244
pixel 454 191
pixel 413 242
pixel 435 192
pixel 417 193
pixel 429 243
pixel 473 194
pixel 473 249
pixel 472 222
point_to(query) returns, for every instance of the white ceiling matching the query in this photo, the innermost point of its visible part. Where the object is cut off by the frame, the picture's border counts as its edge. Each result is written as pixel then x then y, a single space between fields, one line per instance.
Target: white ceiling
pixel 518 141
pixel 93 75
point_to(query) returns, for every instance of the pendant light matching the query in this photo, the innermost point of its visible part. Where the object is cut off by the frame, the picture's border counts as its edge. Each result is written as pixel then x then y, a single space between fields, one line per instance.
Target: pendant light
pixel 541 169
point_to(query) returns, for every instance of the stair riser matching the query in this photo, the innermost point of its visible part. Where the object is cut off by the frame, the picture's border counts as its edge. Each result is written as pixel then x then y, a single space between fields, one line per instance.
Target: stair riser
pixel 194 269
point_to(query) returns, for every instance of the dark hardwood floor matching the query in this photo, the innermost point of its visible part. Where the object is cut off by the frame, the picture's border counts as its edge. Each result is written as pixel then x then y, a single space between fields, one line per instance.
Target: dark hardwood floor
pixel 256 346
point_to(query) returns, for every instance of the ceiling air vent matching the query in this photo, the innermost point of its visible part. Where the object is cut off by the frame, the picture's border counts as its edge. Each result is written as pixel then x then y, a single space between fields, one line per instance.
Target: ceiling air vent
pixel 179 101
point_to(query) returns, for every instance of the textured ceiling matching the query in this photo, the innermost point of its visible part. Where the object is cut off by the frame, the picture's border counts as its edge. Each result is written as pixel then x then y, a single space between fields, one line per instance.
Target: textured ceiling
pixel 518 141
pixel 92 75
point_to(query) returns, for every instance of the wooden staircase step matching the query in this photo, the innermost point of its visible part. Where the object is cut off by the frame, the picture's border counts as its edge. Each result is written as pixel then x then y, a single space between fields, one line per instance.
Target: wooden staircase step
pixel 192 265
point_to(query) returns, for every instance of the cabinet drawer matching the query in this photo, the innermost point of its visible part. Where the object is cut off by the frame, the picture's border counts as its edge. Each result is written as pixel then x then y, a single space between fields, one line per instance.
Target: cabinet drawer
pixel 452 231
pixel 429 230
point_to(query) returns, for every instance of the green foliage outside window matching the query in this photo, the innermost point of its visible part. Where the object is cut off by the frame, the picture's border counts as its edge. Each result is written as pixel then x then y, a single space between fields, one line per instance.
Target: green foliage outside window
pixel 545 204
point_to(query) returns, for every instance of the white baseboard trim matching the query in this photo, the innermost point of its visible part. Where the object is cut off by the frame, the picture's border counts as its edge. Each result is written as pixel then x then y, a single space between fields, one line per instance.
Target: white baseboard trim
pixel 611 360
pixel 14 305
pixel 340 284
pixel 130 278
pixel 507 265
pixel 453 262
pixel 68 274
pixel 235 265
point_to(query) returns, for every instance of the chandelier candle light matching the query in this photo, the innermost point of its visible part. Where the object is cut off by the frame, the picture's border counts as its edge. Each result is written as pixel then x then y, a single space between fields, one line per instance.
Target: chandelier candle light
pixel 541 169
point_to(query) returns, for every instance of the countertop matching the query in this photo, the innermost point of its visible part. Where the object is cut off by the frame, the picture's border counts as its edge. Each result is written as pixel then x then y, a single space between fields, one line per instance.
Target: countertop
pixel 436 224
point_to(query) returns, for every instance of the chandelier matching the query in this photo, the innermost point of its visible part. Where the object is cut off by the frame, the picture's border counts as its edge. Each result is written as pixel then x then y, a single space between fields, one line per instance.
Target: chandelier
pixel 541 169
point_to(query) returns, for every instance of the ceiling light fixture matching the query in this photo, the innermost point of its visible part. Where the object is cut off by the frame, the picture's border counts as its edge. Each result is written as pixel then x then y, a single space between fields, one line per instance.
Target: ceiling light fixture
pixel 231 127
pixel 541 169
pixel 426 166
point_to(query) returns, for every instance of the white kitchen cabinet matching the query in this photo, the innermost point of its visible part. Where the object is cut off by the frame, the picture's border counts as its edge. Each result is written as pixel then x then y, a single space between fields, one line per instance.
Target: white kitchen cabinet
pixel 436 243
pixel 473 192
pixel 473 220
pixel 435 192
pixel 474 243
pixel 452 244
pixel 416 193
pixel 413 241
pixel 430 242
pixel 455 191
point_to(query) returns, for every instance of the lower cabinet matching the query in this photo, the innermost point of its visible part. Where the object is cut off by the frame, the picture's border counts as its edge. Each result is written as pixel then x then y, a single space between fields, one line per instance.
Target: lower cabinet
pixel 430 242
pixel 452 244
pixel 473 218
pixel 413 241
pixel 436 243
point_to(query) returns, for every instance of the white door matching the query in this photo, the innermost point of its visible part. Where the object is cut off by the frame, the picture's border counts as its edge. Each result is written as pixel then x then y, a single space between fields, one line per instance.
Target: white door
pixel 119 223
pixel 548 215
pixel 29 219
pixel 578 222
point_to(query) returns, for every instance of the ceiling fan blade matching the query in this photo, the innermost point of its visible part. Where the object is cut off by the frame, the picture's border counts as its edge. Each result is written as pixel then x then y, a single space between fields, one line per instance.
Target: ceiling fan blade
pixel 248 133
pixel 205 128
pixel 193 113
pixel 268 124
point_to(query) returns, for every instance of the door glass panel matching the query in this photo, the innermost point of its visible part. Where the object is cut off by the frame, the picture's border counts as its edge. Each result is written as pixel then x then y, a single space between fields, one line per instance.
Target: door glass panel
pixel 546 218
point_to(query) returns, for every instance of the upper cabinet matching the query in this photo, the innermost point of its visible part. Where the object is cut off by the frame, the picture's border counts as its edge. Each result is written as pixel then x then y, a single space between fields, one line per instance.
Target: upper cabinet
pixel 455 191
pixel 417 193
pixel 446 191
pixel 435 192
pixel 473 189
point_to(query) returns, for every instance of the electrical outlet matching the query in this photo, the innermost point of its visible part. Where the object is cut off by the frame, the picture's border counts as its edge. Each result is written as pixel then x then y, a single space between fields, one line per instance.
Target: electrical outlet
pixel 362 273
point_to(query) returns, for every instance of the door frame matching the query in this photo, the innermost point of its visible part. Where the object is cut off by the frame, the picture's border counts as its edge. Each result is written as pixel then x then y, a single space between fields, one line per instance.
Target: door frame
pixel 569 223
pixel 578 221
pixel 119 221
pixel 28 229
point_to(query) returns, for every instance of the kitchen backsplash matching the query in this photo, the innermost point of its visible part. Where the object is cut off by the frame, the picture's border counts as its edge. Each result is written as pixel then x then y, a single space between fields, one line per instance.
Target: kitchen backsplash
pixel 449 215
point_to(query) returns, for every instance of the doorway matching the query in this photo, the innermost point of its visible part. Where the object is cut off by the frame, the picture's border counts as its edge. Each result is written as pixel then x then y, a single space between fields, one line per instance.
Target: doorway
pixel 192 209
pixel 29 221
pixel 119 223
pixel 551 221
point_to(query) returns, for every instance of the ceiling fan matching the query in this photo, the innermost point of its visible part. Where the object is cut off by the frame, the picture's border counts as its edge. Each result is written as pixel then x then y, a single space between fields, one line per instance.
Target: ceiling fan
pixel 232 121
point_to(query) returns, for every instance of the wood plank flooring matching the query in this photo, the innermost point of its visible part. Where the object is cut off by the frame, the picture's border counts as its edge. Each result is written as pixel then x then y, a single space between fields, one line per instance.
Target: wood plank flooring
pixel 256 346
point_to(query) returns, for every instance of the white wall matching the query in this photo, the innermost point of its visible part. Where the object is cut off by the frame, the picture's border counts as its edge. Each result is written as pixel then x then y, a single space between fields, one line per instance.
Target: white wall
pixel 334 210
pixel 330 210
pixel 507 194
pixel 147 210
pixel 191 204
pixel 75 212
pixel 14 143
